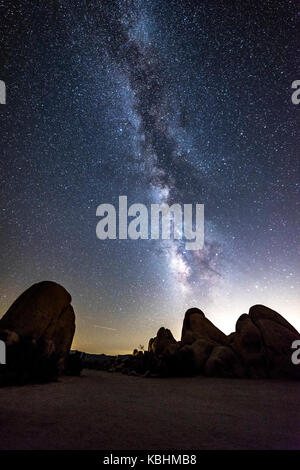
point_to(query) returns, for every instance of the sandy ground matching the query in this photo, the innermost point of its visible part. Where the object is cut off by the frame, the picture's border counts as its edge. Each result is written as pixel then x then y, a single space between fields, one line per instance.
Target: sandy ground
pixel 112 411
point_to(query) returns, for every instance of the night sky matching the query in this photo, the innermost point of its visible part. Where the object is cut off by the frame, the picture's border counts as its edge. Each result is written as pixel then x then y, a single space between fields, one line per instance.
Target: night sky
pixel 163 101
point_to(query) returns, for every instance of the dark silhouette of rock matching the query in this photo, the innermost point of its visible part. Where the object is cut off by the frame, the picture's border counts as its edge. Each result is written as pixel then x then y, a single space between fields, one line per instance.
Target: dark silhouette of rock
pixel 259 313
pixel 247 343
pixel 74 363
pixel 260 347
pixel 223 363
pixel 150 344
pixel 201 349
pixel 35 312
pixel 38 330
pixel 197 326
pixel 163 339
pixel 39 326
pixel 278 335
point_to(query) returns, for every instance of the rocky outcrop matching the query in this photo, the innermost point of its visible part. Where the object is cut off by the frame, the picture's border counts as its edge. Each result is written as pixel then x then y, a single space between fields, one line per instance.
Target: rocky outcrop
pixel 260 347
pixel 163 339
pixel 38 330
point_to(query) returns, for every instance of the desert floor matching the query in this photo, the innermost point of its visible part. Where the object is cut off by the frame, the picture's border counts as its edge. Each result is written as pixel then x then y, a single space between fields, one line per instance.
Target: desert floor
pixel 112 411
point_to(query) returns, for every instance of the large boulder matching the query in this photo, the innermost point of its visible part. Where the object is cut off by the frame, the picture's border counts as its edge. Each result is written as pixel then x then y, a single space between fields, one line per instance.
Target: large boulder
pixel 38 330
pixel 259 313
pixel 197 326
pixel 36 310
pixel 277 336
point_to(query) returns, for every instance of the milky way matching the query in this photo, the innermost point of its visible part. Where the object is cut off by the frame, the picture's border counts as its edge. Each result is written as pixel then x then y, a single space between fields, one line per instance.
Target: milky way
pixel 162 101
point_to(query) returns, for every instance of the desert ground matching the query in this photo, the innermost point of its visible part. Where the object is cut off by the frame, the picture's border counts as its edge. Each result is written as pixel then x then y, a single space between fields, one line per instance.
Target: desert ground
pixel 102 410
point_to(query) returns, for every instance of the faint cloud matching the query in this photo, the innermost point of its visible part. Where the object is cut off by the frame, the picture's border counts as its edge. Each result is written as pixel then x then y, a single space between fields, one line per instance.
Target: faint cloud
pixel 105 327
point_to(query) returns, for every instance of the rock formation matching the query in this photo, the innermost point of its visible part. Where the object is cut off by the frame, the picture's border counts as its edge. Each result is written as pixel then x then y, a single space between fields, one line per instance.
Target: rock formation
pixel 163 339
pixel 38 330
pixel 260 347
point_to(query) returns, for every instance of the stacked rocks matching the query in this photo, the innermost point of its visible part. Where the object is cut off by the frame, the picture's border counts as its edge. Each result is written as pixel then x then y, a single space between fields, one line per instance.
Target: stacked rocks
pixel 259 347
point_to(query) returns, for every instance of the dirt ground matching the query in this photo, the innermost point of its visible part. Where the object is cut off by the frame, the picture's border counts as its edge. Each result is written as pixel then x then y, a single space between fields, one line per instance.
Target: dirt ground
pixel 112 411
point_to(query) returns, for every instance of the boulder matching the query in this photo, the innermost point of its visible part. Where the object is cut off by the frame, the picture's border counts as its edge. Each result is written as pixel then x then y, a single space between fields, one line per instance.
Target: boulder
pixel 248 345
pixel 163 339
pixel 36 310
pixel 62 335
pixel 201 349
pixel 177 360
pixel 74 363
pixel 150 344
pixel 277 335
pixel 197 326
pixel 38 330
pixel 259 313
pixel 222 362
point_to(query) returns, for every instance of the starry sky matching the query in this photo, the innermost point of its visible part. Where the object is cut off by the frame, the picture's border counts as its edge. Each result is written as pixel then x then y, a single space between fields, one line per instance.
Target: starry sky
pixel 173 101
